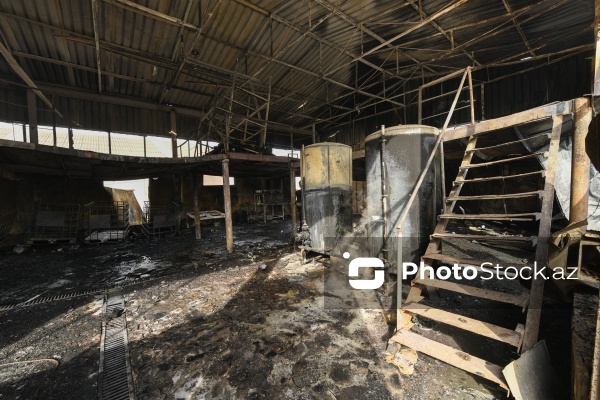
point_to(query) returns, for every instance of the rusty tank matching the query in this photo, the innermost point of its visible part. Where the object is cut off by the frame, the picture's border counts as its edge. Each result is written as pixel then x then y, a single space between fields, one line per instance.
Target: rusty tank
pixel 326 194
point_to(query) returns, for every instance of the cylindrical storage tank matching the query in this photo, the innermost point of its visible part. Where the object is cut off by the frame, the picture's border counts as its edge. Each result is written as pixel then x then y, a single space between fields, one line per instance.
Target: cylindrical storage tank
pixel 405 149
pixel 327 193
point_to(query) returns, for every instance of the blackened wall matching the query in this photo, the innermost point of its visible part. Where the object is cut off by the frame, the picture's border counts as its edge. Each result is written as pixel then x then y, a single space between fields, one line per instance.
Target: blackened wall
pixel 560 81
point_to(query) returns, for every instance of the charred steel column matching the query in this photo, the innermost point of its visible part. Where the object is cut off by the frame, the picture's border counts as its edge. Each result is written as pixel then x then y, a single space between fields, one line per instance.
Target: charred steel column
pixel 595 374
pixel 580 163
pixel 293 210
pixel 227 198
pixel 32 114
pixel 173 133
pixel 196 209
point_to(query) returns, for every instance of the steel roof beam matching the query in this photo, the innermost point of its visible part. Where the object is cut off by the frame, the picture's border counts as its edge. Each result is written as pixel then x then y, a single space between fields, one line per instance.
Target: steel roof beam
pixel 95 12
pixel 518 27
pixel 305 32
pixel 23 75
pixel 499 29
pixel 363 28
pixel 177 21
pixel 130 53
pixel 450 38
pixel 316 37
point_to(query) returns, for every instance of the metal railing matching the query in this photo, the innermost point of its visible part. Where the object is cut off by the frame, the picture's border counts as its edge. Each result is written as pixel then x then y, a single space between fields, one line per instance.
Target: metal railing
pixel 437 148
pixel 54 223
pixel 161 219
pixel 106 221
pixel 7 220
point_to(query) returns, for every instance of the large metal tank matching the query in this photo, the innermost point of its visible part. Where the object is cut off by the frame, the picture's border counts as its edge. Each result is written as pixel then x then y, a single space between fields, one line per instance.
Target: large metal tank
pixel 405 149
pixel 327 193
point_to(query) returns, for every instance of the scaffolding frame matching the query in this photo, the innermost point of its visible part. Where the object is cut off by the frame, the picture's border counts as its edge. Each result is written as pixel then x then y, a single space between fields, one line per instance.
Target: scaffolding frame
pixel 6 221
pixel 161 219
pixel 106 221
pixel 55 223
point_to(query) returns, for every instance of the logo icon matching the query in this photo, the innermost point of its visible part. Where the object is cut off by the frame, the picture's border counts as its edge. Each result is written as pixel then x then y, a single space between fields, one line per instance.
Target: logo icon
pixel 366 262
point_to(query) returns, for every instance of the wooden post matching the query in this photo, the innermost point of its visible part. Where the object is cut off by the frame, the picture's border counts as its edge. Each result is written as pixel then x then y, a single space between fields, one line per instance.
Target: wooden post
pixel 293 209
pixel 109 143
pixel 536 293
pixel 227 200
pixel 196 209
pixel 145 146
pixel 595 373
pixel 596 83
pixel 227 132
pixel 173 133
pixel 471 96
pixel 32 115
pixel 580 163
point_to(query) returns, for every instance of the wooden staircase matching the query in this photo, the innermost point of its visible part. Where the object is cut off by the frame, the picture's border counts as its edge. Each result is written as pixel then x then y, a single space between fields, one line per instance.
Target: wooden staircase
pixel 523 336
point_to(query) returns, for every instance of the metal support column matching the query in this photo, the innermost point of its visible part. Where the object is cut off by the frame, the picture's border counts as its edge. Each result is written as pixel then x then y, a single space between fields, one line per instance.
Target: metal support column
pixel 580 163
pixel 293 209
pixel 196 209
pixel 32 116
pixel 173 133
pixel 227 200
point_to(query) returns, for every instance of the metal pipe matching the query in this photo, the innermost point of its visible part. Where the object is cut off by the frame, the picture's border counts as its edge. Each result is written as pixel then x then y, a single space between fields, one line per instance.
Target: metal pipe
pixel 580 164
pixel 173 133
pixel 595 375
pixel 302 186
pixel 293 210
pixel 384 208
pixel 32 115
pixel 197 227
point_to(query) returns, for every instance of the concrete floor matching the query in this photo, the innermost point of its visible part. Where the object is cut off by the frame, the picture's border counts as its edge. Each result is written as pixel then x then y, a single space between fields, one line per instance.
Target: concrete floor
pixel 202 325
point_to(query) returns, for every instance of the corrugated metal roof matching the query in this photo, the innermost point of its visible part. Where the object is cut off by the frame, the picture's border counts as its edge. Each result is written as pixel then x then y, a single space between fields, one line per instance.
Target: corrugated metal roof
pixel 308 50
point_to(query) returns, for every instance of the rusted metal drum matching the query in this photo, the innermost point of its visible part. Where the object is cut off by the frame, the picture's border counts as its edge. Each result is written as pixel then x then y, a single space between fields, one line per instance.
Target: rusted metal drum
pixel 327 193
pixel 405 150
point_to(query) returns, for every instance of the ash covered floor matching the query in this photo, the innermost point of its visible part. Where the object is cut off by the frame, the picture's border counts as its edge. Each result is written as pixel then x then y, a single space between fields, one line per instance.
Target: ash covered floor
pixel 201 325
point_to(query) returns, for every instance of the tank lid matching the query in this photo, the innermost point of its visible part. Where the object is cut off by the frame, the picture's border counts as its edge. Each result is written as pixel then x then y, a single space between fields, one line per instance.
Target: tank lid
pixel 405 130
pixel 327 144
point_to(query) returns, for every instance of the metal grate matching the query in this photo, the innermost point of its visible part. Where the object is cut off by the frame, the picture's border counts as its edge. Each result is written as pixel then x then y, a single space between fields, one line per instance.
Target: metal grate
pixel 55 223
pixel 6 221
pixel 161 219
pixel 115 381
pixel 106 221
pixel 64 296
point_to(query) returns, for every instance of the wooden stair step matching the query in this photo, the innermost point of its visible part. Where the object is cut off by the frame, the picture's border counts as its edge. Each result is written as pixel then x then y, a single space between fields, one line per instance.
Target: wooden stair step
pixel 452 356
pixel 497 146
pixel 537 193
pixel 520 300
pixel 496 217
pixel 488 330
pixel 503 238
pixel 447 259
pixel 503 161
pixel 500 177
